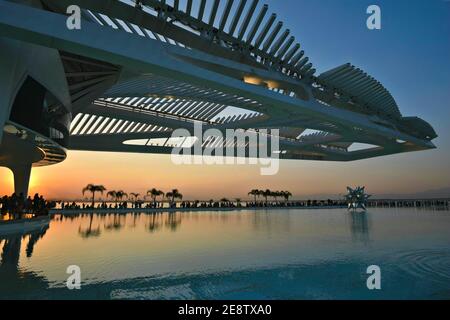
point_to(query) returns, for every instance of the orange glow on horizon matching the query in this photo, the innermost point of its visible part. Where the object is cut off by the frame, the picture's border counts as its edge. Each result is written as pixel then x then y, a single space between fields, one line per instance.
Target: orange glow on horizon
pixel 7 179
pixel 313 179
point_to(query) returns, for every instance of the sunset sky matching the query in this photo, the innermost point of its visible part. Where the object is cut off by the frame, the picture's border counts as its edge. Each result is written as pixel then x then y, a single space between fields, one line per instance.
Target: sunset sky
pixel 410 56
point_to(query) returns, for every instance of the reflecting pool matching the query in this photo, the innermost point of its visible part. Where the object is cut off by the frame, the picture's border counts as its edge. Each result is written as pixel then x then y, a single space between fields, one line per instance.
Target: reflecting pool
pixel 273 254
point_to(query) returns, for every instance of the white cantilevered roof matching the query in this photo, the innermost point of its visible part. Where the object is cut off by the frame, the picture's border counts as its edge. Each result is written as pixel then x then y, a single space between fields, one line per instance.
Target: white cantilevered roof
pixel 235 29
pixel 234 68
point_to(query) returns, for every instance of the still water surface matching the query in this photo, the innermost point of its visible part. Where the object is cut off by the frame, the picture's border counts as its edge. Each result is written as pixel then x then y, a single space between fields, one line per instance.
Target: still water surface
pixel 273 254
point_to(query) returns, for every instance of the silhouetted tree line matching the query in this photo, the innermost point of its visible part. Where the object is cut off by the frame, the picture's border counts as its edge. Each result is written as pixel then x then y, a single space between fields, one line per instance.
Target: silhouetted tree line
pixel 262 198
pixel 119 196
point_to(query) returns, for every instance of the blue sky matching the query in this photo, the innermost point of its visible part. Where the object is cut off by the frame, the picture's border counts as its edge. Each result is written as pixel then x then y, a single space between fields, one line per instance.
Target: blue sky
pixel 410 55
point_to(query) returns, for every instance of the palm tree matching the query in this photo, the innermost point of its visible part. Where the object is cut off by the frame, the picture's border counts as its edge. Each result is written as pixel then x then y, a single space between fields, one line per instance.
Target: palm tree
pixel 255 193
pixel 238 201
pixel 154 193
pixel 113 195
pixel 174 194
pixel 93 188
pixel 276 195
pixel 261 193
pixel 266 194
pixel 135 196
pixel 286 195
pixel 121 194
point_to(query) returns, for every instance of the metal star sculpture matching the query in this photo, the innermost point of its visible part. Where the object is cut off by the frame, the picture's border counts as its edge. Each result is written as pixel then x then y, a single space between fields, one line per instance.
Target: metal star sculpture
pixel 357 198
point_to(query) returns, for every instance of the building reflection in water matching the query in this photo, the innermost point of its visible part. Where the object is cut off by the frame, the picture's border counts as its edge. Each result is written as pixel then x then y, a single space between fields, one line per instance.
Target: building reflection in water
pixel 360 227
pixel 12 278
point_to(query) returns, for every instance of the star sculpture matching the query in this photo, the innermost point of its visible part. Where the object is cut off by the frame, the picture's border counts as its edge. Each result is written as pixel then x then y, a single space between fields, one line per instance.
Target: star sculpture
pixel 357 198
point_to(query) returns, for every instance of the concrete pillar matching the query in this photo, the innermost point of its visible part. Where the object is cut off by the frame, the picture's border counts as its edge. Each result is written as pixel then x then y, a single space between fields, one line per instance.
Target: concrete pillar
pixel 22 175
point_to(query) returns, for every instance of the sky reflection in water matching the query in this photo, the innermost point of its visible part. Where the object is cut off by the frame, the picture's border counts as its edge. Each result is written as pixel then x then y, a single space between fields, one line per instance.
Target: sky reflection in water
pixel 276 254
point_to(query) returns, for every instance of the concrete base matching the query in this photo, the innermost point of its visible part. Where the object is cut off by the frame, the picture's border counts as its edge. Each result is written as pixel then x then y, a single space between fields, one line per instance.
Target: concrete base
pixel 22 175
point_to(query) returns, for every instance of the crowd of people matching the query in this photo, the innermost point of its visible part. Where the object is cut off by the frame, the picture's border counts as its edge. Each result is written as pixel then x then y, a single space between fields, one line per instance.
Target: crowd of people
pixel 102 205
pixel 301 204
pixel 18 204
pixel 224 203
pixel 211 204
pixel 262 204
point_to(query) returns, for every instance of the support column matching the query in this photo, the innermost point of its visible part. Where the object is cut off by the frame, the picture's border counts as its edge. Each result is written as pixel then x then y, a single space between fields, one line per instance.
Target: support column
pixel 22 175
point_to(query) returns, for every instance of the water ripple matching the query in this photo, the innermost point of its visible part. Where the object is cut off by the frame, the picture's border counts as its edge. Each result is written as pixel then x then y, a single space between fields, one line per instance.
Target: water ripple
pixel 433 264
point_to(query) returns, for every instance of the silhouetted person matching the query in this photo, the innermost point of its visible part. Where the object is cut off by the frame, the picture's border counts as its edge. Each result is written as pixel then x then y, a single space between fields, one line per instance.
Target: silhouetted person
pixel 36 203
pixel 28 204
